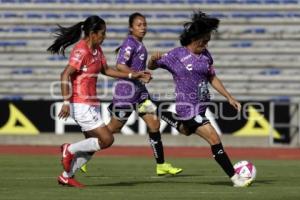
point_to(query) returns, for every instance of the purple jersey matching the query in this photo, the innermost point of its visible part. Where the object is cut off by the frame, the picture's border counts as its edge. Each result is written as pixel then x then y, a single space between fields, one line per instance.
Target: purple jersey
pixel 133 54
pixel 191 74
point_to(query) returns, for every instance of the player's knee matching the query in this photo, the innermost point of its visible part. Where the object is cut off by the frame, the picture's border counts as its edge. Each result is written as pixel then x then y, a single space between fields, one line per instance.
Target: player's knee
pixel 106 141
pixel 154 127
pixel 214 139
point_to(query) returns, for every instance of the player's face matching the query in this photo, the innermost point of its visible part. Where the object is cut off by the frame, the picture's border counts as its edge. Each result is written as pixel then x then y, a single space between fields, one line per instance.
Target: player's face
pixel 202 43
pixel 139 27
pixel 99 36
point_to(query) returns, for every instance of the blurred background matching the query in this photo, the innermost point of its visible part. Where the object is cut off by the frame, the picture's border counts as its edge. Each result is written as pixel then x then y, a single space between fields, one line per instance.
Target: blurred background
pixel 256 54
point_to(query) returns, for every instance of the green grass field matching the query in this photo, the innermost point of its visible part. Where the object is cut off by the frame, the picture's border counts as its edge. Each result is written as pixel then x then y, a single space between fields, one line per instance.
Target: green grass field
pixel 110 178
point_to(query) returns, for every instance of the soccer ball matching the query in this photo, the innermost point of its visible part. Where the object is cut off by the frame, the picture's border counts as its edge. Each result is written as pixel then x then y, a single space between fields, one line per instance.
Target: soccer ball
pixel 245 169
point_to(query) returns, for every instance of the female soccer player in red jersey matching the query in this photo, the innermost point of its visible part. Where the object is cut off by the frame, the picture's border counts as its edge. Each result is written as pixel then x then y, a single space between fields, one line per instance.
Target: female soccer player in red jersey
pixel 86 61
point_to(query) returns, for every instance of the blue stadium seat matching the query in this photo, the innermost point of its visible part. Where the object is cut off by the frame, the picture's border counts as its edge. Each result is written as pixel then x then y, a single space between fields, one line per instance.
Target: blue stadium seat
pixel 290 2
pixel 107 15
pixel 118 30
pixel 85 15
pixel 104 1
pixel 272 1
pixel 160 1
pixel 22 71
pixel 181 15
pixel 24 1
pixel 140 1
pixel 52 16
pixel 10 15
pixel 85 1
pixel 39 29
pixel 176 1
pixel 8 1
pixel 12 43
pixel 122 1
pixel 57 58
pixel 165 44
pixel 253 2
pixel 169 30
pixel 124 15
pixel 293 15
pixel 110 43
pixel 5 30
pixel 259 30
pixel 219 15
pixel 151 30
pixel 214 1
pixel 45 1
pixel 71 15
pixel 161 15
pixel 19 29
pixel 196 1
pixel 242 44
pixel 271 72
pixel 67 1
pixel 233 1
pixel 34 15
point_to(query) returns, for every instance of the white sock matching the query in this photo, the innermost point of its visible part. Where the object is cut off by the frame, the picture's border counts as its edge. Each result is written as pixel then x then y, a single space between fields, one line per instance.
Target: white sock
pixel 87 145
pixel 69 174
pixel 80 159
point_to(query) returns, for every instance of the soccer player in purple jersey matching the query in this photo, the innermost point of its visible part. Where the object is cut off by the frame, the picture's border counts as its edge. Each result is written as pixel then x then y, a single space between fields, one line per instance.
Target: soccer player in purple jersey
pixel 131 95
pixel 191 66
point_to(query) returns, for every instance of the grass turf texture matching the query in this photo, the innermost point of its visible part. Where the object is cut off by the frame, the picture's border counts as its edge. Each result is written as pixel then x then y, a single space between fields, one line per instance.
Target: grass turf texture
pixel 132 178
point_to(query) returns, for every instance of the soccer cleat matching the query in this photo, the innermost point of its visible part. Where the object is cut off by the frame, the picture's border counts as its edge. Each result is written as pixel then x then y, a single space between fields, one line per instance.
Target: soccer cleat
pixel 167 168
pixel 83 168
pixel 239 181
pixel 67 157
pixel 69 182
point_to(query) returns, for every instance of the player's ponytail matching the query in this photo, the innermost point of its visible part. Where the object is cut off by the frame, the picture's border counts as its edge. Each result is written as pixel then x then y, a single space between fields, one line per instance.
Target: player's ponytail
pixel 200 25
pixel 66 36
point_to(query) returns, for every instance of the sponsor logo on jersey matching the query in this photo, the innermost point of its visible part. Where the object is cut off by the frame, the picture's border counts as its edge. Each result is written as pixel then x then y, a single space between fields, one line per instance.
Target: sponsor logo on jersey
pixel 185 58
pixel 189 67
pixel 142 57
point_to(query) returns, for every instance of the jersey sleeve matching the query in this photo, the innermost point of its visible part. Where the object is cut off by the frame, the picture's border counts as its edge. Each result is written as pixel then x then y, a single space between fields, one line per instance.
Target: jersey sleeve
pixel 125 53
pixel 211 68
pixel 165 61
pixel 77 58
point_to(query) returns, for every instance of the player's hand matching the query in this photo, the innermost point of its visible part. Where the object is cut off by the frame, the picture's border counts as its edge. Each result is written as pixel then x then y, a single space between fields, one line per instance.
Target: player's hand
pixel 64 112
pixel 144 76
pixel 235 104
pixel 156 56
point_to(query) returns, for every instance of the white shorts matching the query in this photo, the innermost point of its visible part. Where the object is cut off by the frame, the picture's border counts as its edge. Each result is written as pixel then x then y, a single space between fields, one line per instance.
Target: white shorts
pixel 86 116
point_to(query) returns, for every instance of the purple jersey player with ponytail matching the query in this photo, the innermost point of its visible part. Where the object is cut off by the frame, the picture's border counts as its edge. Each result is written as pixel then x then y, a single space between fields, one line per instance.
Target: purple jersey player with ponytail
pixel 191 66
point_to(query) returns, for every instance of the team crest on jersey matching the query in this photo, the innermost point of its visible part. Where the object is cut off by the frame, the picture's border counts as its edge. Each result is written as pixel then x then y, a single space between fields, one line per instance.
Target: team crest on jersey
pixel 127 53
pixel 84 68
pixel 77 55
